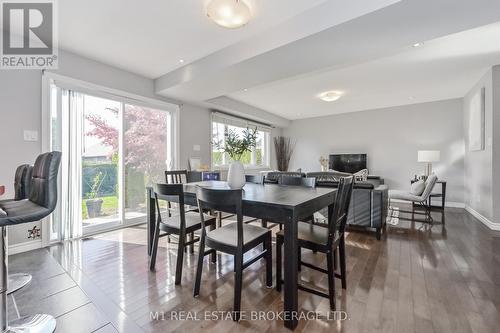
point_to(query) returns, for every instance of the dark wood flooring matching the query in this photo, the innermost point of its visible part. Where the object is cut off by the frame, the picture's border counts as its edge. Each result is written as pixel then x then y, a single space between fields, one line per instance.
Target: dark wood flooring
pixel 418 278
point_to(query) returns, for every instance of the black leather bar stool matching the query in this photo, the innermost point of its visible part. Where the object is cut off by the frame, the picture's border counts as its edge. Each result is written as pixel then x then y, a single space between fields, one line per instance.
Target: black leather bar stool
pixel 323 239
pixel 40 204
pixel 22 180
pixel 235 239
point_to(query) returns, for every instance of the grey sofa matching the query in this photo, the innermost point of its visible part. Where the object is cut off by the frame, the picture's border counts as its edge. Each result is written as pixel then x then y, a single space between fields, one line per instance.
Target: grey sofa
pixel 369 202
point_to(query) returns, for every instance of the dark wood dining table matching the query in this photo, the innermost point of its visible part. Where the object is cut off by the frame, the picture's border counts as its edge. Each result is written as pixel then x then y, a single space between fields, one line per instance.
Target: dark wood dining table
pixel 275 203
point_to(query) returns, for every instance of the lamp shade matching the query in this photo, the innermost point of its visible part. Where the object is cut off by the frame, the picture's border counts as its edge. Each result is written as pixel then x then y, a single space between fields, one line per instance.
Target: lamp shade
pixel 429 156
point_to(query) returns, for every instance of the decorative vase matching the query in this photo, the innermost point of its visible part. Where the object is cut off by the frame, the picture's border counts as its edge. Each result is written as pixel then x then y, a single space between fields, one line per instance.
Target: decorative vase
pixel 236 175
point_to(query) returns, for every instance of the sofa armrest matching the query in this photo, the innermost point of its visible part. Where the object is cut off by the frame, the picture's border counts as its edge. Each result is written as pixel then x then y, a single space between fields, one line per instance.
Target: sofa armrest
pixel 380 205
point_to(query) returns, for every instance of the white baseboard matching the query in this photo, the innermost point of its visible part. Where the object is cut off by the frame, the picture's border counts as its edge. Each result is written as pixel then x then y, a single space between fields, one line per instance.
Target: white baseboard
pixel 449 204
pixel 484 220
pixel 25 246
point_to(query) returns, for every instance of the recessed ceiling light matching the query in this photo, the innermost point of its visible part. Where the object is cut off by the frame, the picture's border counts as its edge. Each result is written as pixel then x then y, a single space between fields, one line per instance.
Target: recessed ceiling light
pixel 418 44
pixel 181 61
pixel 245 89
pixel 230 14
pixel 330 96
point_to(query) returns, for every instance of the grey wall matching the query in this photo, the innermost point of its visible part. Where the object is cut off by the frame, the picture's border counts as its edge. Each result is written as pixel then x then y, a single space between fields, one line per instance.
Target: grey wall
pixel 391 137
pixel 195 130
pixel 20 97
pixel 478 164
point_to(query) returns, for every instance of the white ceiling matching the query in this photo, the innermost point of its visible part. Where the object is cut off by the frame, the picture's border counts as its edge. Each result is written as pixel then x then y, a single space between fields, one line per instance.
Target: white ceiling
pixel 292 50
pixel 440 69
pixel 150 37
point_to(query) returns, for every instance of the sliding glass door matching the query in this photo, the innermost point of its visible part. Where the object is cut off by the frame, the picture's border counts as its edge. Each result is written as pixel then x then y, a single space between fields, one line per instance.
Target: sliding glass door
pixel 101 159
pixel 146 154
pixel 112 149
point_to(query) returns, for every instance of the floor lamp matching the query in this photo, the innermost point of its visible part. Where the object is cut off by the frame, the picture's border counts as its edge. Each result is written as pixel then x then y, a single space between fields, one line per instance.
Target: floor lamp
pixel 428 156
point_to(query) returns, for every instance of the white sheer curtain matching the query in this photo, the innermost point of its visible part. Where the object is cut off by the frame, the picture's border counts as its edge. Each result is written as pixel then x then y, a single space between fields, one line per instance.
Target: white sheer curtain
pixel 72 140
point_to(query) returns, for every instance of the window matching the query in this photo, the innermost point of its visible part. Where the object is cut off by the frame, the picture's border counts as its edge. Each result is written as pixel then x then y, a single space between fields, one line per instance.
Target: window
pixel 113 147
pixel 222 124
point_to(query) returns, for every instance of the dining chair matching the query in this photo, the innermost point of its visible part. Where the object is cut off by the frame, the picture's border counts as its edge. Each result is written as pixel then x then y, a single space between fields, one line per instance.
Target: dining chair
pixel 325 240
pixel 234 239
pixel 182 224
pixel 177 177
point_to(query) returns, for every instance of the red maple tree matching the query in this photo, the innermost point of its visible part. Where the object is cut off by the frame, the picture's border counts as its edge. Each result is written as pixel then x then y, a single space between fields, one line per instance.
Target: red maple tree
pixel 145 138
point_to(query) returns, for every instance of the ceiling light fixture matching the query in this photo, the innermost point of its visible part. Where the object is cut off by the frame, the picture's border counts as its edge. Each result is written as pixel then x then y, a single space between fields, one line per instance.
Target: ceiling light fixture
pixel 330 96
pixel 181 61
pixel 229 14
pixel 418 44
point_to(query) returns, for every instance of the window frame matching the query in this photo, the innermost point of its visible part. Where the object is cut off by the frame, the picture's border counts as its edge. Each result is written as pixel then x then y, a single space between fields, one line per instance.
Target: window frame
pixel 84 87
pixel 234 121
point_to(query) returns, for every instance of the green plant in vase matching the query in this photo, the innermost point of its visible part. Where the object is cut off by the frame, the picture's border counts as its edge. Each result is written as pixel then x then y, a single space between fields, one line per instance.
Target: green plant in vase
pixel 93 203
pixel 235 146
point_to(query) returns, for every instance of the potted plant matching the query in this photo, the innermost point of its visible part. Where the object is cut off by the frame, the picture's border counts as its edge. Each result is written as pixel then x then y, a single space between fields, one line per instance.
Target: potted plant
pixel 93 203
pixel 235 147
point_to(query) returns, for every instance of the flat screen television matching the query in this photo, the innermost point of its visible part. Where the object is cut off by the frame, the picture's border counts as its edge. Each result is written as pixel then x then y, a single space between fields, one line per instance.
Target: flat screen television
pixel 350 163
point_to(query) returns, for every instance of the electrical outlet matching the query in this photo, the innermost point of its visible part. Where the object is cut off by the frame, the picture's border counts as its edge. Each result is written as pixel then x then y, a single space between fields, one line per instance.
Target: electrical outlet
pixel 34 233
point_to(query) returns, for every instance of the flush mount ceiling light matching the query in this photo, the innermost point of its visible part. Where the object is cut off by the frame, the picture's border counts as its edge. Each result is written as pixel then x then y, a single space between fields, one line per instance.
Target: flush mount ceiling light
pixel 229 14
pixel 418 44
pixel 330 96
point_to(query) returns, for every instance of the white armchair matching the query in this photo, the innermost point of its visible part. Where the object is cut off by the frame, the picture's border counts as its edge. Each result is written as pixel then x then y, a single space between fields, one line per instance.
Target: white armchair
pixel 421 199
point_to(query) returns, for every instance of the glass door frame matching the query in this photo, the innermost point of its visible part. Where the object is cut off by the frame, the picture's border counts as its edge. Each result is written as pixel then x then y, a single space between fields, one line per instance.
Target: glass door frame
pixel 49 78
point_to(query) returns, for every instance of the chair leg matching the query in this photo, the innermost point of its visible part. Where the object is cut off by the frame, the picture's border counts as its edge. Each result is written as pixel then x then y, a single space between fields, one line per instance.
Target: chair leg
pixel 213 255
pixel 279 243
pixel 180 258
pixel 268 246
pixel 238 280
pixel 331 279
pixel 335 264
pixel 154 250
pixel 263 223
pixel 342 262
pixel 199 268
pixel 191 247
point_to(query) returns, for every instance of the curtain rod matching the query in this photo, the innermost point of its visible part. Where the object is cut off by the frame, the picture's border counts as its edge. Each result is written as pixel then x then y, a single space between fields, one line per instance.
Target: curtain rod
pixel 242 118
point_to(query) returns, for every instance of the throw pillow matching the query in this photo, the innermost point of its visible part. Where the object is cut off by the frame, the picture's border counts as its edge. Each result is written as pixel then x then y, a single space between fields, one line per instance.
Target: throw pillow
pixel 361 175
pixel 417 188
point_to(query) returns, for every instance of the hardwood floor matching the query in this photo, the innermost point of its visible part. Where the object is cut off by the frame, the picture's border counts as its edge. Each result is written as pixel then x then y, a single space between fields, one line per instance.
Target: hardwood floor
pixel 418 278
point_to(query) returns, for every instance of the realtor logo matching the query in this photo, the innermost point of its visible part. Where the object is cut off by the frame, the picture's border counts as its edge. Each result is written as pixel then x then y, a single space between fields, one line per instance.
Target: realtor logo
pixel 28 35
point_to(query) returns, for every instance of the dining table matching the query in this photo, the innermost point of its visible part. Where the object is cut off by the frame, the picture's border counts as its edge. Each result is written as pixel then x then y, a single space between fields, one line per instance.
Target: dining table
pixel 282 204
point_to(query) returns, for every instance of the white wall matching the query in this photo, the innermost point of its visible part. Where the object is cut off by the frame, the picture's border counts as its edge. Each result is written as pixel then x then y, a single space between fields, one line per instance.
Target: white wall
pixel 478 164
pixel 391 137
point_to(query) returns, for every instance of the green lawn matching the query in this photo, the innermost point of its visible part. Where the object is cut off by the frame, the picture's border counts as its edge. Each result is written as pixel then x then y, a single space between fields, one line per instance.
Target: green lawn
pixel 109 206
